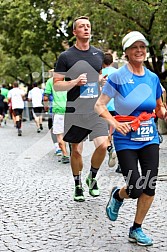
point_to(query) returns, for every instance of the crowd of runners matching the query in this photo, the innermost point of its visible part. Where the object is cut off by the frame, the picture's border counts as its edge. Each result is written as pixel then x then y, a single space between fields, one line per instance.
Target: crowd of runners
pixel 116 108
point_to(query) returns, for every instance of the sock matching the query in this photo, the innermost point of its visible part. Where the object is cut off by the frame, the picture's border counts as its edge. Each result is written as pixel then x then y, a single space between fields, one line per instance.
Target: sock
pixel 93 172
pixel 109 147
pixel 116 196
pixel 136 225
pixel 77 180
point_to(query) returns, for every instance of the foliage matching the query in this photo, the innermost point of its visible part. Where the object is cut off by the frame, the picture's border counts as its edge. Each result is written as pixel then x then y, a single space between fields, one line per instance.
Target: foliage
pixel 40 28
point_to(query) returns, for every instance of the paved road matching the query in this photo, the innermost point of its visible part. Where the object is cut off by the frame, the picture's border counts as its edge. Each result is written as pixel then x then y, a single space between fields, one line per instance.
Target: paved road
pixel 37 211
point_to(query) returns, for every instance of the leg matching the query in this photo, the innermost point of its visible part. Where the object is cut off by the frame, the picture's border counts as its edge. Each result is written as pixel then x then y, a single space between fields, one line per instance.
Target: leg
pixel 36 118
pixel 13 118
pixel 98 156
pixel 54 132
pixel 76 158
pixel 50 122
pixel 35 113
pixel 1 119
pixel 77 165
pixel 127 158
pixel 149 160
pixel 56 145
pixel 40 122
pixel 143 205
pixel 136 233
pixel 17 121
pixel 18 116
pixel 62 144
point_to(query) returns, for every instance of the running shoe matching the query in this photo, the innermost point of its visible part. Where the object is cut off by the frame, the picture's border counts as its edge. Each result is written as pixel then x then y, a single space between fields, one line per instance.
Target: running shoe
pixel 113 206
pixel 19 132
pixel 38 130
pixel 118 170
pixel 112 157
pixel 78 194
pixel 58 152
pixel 137 236
pixel 65 160
pixel 93 188
pixel 2 124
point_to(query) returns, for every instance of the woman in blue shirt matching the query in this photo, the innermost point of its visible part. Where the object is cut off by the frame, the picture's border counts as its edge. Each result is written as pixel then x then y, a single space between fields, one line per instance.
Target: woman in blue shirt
pixel 137 93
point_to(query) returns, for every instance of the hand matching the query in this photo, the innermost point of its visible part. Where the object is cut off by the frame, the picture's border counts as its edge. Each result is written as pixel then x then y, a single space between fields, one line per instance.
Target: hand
pixel 123 128
pixel 46 109
pixel 82 79
pixel 102 79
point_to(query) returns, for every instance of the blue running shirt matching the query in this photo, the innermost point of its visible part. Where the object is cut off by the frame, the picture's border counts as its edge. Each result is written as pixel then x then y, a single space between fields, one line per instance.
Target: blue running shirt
pixel 133 95
pixel 107 71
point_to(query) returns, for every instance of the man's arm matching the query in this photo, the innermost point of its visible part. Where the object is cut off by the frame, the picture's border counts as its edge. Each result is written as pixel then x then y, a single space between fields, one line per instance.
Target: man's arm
pixel 9 97
pixel 46 102
pixel 61 85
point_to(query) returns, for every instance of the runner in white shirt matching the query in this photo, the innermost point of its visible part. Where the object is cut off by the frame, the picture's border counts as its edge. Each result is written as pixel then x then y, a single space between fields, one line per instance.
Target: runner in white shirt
pixel 36 96
pixel 15 96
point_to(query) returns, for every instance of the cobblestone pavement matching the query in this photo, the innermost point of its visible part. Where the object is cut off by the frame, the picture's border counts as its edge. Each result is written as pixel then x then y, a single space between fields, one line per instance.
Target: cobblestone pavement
pixel 37 211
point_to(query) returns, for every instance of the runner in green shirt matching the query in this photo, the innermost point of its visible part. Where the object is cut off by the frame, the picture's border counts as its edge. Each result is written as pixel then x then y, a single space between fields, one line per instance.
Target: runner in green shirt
pixel 58 110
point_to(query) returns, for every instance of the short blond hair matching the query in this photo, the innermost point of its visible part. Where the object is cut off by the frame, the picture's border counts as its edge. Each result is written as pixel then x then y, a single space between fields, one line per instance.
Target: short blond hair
pixel 76 19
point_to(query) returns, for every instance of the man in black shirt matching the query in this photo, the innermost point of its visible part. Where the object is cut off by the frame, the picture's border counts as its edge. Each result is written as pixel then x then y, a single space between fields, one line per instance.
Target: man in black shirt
pixel 80 65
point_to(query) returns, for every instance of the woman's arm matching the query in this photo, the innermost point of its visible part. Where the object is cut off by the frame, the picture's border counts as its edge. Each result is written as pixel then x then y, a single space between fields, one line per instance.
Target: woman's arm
pixel 101 109
pixel 160 110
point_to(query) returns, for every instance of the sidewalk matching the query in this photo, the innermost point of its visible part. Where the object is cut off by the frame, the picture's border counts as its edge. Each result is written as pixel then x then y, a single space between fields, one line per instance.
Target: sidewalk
pixel 37 210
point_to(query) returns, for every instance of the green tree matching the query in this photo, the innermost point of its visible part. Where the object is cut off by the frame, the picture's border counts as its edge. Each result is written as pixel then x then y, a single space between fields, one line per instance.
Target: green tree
pixel 30 35
pixel 111 20
pixel 39 28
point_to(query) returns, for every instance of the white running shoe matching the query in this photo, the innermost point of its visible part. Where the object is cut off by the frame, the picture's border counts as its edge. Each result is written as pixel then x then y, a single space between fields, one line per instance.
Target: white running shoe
pixel 112 157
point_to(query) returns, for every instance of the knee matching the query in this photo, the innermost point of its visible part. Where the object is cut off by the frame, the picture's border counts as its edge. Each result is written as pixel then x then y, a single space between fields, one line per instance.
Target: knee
pixel 134 193
pixel 103 147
